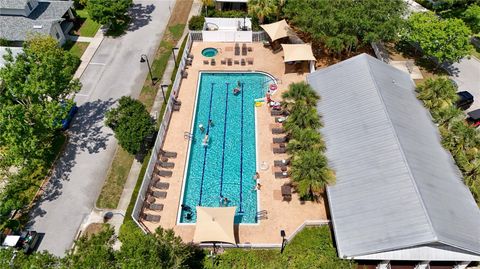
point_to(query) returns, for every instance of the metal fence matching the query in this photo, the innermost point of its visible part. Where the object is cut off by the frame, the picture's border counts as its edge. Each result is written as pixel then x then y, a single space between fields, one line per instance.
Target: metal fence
pixel 142 193
pixel 259 36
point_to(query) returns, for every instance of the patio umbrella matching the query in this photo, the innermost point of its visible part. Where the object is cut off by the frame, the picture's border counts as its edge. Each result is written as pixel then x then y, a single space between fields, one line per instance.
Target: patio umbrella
pixel 214 224
pixel 277 29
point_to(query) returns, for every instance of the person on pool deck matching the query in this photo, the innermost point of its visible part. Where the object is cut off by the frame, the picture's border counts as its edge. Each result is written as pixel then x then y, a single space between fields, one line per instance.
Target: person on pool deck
pixel 256 176
pixel 257 187
pixel 202 129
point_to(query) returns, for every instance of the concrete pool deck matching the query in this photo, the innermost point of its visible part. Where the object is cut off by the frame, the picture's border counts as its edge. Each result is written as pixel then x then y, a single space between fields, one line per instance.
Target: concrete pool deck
pixel 282 215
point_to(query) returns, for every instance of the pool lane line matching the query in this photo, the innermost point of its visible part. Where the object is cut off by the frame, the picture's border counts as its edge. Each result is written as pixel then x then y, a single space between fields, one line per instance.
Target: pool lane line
pixel 206 147
pixel 224 139
pixel 241 155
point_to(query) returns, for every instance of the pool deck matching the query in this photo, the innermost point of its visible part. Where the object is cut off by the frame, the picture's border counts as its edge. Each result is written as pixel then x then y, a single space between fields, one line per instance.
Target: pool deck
pixel 282 215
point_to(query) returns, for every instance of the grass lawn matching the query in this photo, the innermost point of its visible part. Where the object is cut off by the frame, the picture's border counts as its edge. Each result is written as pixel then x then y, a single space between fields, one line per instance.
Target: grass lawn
pixel 113 186
pixel 76 48
pixel 476 52
pixel 311 248
pixel 86 27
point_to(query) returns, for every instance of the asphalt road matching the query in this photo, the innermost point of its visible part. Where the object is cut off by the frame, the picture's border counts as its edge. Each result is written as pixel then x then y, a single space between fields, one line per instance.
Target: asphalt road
pixel 466 74
pixel 114 71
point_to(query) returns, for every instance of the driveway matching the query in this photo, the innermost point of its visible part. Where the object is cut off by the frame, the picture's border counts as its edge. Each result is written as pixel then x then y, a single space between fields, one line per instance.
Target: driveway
pixel 114 71
pixel 466 74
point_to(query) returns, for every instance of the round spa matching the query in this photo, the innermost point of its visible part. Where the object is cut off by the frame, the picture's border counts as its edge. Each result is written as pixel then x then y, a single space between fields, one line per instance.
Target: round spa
pixel 209 52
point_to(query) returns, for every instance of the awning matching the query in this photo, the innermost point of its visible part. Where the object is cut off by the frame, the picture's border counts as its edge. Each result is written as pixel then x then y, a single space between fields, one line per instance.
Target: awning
pixel 214 224
pixel 297 52
pixel 277 29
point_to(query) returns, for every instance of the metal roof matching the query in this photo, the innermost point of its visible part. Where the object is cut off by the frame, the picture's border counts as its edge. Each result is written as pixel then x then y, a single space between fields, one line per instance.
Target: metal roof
pixel 396 186
pixel 40 20
pixel 13 4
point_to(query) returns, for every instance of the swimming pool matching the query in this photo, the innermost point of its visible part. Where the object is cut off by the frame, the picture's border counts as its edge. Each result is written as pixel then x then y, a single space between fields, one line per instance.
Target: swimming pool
pixel 226 165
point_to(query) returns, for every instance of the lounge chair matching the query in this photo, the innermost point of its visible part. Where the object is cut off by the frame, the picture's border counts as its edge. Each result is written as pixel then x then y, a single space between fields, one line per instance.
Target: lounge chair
pixel 280 163
pixel 229 61
pixel 278 130
pixel 237 49
pixel 166 164
pixel 236 62
pixel 205 62
pixel 162 185
pixel 164 173
pixel 159 194
pixel 244 49
pixel 279 150
pixel 286 192
pixel 278 140
pixel 176 107
pixel 281 175
pixel 151 218
pixel 168 154
pixel 250 60
pixel 242 62
pixel 275 112
pixel 156 207
pixel 213 62
pixel 223 61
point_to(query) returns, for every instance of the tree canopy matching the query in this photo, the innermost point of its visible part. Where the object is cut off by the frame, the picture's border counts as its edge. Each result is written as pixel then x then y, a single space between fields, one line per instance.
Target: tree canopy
pixel 109 12
pixel 344 25
pixel 446 40
pixel 472 17
pixel 131 124
pixel 34 98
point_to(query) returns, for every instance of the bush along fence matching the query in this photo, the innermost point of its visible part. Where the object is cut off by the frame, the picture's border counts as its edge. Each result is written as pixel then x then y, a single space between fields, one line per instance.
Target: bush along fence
pixel 309 172
pixel 157 148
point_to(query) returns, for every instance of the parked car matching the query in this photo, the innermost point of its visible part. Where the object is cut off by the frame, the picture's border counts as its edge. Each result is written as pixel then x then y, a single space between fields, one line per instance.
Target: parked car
pixel 465 100
pixel 474 118
pixel 68 119
pixel 26 240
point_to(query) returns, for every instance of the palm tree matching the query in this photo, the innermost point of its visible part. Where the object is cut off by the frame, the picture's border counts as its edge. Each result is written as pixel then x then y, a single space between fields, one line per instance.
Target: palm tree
pixel 300 92
pixel 206 4
pixel 437 93
pixel 445 115
pixel 261 9
pixel 310 173
pixel 305 139
pixel 302 116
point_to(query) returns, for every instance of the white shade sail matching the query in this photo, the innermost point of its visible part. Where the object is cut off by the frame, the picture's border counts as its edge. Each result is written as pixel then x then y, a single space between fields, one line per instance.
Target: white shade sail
pixel 215 224
pixel 277 29
pixel 297 52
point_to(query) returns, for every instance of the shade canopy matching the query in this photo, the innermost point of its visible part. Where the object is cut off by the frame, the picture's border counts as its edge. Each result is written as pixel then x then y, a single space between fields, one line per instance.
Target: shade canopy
pixel 277 30
pixel 297 52
pixel 214 224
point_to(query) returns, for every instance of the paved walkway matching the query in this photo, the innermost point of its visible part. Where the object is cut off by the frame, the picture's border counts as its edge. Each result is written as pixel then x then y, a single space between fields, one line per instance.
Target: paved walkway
pixel 113 70
pixel 89 52
pixel 77 38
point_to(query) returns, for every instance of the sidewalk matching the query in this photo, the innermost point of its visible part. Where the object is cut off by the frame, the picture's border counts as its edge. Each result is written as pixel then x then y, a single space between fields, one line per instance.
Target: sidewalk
pixel 90 51
pixel 96 216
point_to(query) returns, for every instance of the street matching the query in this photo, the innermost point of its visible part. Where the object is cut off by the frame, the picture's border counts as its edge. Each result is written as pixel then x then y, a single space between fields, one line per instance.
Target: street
pixel 114 71
pixel 466 74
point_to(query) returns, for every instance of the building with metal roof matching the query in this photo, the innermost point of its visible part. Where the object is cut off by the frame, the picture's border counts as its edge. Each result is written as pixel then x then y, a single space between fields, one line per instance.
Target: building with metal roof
pixel 27 17
pixel 398 193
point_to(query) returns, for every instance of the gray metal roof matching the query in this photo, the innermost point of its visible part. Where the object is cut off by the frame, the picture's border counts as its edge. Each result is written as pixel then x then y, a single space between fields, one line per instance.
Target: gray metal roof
pixel 40 20
pixel 13 4
pixel 396 186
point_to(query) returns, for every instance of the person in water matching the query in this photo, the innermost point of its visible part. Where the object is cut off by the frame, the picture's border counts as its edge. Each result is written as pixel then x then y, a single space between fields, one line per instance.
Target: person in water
pixel 210 123
pixel 202 129
pixel 236 91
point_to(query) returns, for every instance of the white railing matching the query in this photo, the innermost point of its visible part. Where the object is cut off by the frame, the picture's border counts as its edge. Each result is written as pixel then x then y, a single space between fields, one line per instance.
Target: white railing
pixel 162 131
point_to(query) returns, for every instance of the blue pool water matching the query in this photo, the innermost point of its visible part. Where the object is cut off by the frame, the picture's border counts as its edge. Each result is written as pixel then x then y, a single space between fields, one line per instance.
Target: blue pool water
pixel 224 168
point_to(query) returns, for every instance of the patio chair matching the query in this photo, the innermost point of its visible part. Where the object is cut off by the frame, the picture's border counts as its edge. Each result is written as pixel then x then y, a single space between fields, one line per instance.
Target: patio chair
pixel 213 62
pixel 165 164
pixel 286 192
pixel 184 74
pixel 159 194
pixel 250 61
pixel 205 62
pixel 236 62
pixel 278 140
pixel 278 130
pixel 281 175
pixel 155 207
pixel 223 61
pixel 275 112
pixel 162 185
pixel 279 150
pixel 150 199
pixel 237 49
pixel 280 119
pixel 164 173
pixel 229 61
pixel 168 154
pixel 281 163
pixel 242 62
pixel 151 218
pixel 190 56
pixel 250 49
pixel 244 49
pixel 189 62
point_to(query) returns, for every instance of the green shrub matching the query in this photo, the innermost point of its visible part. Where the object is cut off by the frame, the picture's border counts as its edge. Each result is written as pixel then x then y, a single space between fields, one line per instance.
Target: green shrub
pixel 196 23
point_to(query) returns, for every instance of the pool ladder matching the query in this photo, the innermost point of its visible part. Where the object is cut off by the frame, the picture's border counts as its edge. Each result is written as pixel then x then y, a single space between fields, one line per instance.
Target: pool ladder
pixel 188 135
